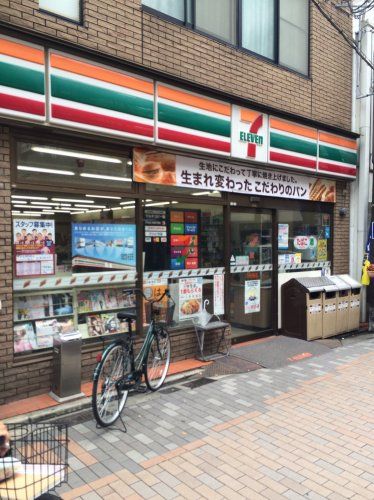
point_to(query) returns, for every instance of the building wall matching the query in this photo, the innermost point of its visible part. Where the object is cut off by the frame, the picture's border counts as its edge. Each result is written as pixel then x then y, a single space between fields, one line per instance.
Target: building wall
pixel 122 29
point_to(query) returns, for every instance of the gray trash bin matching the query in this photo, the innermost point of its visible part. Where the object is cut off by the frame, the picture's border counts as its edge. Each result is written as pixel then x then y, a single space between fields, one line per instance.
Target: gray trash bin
pixel 354 301
pixel 67 367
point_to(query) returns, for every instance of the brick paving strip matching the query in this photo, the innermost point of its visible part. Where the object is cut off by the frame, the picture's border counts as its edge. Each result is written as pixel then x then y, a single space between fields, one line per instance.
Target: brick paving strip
pixel 302 431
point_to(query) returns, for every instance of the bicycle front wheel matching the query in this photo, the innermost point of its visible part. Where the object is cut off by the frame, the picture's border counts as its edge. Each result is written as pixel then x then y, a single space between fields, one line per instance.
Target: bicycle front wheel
pixel 157 360
pixel 107 401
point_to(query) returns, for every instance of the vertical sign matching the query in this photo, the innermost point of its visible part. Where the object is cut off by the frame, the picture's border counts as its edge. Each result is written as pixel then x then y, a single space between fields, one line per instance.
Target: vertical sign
pixel 252 294
pixel 218 294
pixel 190 297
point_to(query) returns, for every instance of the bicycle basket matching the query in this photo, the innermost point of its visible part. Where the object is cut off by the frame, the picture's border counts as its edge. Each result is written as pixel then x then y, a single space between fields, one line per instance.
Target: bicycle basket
pixel 161 312
pixel 37 462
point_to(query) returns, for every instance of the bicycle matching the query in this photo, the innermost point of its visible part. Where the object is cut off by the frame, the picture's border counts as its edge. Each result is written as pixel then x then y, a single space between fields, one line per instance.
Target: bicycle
pixel 118 370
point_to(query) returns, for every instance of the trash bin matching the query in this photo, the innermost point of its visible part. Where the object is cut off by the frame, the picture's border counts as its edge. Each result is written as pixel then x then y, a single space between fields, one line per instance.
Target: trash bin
pixel 354 302
pixel 66 379
pixel 330 306
pixel 342 311
pixel 302 305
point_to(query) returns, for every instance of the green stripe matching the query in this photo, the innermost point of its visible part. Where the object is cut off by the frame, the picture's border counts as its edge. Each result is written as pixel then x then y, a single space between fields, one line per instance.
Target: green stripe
pixel 336 154
pixel 193 120
pixel 20 78
pixel 291 144
pixel 76 91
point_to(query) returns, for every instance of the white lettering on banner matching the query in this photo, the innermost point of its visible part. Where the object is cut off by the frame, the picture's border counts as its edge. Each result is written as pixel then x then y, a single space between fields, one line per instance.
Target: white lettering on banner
pixel 207 175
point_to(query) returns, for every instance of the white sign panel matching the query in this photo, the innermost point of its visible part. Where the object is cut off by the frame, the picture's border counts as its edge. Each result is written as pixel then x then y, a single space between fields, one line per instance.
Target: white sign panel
pixel 249 134
pixel 218 295
pixel 190 297
pixel 252 296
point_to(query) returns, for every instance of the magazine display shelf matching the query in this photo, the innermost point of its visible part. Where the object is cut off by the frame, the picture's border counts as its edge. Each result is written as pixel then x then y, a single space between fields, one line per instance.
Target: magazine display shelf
pixel 42 311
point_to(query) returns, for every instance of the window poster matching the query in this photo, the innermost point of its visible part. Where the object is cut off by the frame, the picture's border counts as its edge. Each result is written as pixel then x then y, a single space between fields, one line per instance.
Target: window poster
pixel 154 289
pixel 322 250
pixel 190 297
pixel 283 230
pixel 184 239
pixel 252 296
pixel 34 247
pixel 155 239
pixel 219 294
pixel 111 246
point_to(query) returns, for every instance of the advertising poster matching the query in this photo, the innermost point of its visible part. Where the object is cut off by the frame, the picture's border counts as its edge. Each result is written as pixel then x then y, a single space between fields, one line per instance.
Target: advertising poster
pixel 104 245
pixel 219 294
pixel 252 296
pixel 322 250
pixel 155 239
pixel 190 297
pixel 153 289
pixel 283 236
pixel 34 247
pixel 184 239
pixel 164 168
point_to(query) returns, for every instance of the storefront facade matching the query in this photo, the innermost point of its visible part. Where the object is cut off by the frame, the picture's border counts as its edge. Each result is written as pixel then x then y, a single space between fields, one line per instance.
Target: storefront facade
pixel 114 179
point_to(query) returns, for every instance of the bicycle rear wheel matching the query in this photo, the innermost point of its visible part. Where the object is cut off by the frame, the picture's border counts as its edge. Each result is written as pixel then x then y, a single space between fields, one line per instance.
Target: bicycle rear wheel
pixel 107 401
pixel 157 359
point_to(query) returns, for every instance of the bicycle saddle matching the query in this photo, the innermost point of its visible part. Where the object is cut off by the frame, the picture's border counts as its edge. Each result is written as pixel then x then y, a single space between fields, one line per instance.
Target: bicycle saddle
pixel 131 314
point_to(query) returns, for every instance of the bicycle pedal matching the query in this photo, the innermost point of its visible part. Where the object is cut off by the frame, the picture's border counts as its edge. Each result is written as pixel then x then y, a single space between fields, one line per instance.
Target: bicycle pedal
pixel 142 388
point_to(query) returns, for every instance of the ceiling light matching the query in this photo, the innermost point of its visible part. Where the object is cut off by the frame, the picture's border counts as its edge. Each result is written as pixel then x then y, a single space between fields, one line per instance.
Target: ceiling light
pixel 159 203
pixel 128 202
pixel 201 193
pixel 107 177
pixel 92 211
pixel 16 212
pixel 46 203
pixel 37 206
pixel 45 170
pixel 20 201
pixel 73 200
pixel 90 206
pixel 22 206
pixel 102 196
pixel 117 208
pixel 31 214
pixel 129 163
pixel 29 197
pixel 75 154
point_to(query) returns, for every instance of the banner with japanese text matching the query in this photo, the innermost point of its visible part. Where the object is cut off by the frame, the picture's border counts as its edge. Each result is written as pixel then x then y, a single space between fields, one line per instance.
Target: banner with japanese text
pixel 165 168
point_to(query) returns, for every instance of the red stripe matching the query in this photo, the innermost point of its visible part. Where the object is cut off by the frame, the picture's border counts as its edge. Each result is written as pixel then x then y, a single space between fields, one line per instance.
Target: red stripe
pixel 254 128
pixel 337 169
pixel 22 104
pixel 293 160
pixel 193 140
pixel 103 121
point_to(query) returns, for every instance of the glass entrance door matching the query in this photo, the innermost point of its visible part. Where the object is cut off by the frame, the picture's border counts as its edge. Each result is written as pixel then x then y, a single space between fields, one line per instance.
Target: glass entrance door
pixel 251 272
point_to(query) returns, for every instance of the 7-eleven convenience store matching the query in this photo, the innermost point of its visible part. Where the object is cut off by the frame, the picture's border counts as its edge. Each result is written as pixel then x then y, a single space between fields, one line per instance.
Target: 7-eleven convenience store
pixel 116 179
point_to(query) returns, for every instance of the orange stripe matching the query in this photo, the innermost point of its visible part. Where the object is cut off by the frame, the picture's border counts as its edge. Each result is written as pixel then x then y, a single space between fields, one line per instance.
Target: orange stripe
pixel 20 51
pixel 98 73
pixel 246 115
pixel 338 141
pixel 293 128
pixel 193 100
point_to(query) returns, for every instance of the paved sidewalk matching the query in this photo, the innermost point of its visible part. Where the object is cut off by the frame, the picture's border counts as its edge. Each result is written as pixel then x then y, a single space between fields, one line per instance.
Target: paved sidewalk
pixel 302 431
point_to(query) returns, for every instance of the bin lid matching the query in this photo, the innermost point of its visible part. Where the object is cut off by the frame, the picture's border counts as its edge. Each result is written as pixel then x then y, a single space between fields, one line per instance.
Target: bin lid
pixel 66 337
pixel 341 284
pixel 350 281
pixel 316 284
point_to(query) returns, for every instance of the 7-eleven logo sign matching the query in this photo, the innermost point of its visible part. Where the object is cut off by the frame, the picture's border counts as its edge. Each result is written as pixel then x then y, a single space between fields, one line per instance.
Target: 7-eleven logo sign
pixel 249 134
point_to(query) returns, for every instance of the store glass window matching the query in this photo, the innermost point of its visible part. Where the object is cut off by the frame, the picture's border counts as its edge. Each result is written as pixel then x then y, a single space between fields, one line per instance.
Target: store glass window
pixel 304 237
pixel 43 164
pixel 186 240
pixel 73 255
pixel 294 34
pixel 70 9
pixel 258 26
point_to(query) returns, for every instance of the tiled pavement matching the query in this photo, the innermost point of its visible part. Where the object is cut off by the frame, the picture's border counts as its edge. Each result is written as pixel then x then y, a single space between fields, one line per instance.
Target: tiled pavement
pixel 302 431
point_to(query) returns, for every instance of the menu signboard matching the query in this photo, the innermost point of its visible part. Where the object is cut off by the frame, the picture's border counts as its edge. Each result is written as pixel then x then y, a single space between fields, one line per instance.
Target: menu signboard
pixel 184 239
